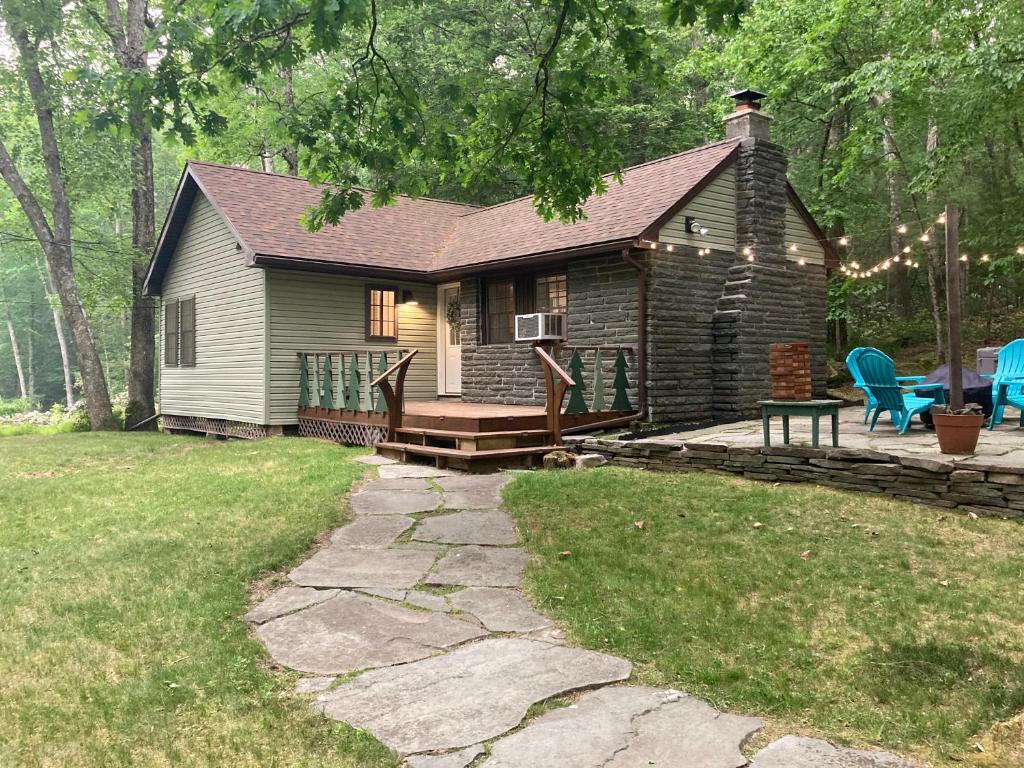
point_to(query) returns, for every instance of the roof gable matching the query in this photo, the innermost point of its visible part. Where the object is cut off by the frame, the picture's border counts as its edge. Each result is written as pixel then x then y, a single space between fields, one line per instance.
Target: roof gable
pixel 424 236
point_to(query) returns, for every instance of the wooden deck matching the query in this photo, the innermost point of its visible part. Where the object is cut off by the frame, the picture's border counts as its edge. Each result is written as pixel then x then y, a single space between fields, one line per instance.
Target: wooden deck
pixel 480 436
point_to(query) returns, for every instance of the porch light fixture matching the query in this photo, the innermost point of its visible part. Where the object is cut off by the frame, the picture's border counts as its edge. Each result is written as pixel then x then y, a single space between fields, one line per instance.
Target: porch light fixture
pixel 408 298
pixel 694 227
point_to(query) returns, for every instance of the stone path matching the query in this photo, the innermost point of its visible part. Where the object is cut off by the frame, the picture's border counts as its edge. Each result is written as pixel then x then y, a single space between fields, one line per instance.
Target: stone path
pixel 411 626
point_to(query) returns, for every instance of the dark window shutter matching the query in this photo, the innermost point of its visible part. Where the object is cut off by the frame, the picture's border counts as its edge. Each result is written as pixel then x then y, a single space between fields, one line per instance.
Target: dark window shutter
pixel 171 333
pixel 188 331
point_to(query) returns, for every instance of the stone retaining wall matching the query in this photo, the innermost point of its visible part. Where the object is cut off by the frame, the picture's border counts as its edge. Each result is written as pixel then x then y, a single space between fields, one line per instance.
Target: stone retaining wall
pixel 980 487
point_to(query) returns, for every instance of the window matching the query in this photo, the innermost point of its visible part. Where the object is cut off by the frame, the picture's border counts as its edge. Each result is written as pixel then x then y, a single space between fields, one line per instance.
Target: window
pixel 180 332
pixel 501 311
pixel 552 294
pixel 171 333
pixel 381 313
pixel 507 297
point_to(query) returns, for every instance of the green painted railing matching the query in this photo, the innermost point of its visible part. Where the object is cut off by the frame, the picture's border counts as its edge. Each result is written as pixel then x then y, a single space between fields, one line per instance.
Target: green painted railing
pixel 348 379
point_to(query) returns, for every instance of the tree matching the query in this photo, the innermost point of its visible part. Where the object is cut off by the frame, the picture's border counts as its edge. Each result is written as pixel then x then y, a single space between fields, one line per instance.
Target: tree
pixel 125 29
pixel 28 24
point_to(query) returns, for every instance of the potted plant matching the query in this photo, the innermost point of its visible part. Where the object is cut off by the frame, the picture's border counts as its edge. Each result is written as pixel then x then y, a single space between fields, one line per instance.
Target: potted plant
pixel 958 430
pixel 957 426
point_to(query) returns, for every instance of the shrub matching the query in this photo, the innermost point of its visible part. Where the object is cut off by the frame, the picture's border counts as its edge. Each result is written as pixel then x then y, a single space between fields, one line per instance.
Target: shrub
pixel 17 405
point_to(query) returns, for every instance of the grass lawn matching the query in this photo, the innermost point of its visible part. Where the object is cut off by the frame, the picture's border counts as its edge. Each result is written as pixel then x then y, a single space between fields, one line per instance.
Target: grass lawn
pixel 903 628
pixel 125 564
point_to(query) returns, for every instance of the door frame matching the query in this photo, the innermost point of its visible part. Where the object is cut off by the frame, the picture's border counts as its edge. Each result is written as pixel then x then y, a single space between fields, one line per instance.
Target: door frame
pixel 442 334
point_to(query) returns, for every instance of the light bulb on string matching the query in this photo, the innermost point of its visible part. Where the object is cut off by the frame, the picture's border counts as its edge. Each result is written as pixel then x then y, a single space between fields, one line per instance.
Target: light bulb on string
pixel 984 257
pixel 896 258
pixel 902 229
pixel 844 241
pixel 925 237
pixel 907 249
pixel 801 261
pixel 963 257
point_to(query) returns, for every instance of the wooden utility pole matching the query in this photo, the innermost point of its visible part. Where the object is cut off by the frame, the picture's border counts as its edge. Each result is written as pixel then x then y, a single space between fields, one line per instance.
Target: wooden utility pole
pixel 956 380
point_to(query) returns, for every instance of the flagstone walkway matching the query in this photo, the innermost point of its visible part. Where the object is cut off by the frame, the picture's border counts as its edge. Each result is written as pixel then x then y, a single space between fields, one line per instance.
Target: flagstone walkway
pixel 411 625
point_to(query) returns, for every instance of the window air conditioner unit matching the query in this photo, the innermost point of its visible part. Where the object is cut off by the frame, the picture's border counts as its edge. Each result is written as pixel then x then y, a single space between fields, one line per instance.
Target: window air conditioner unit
pixel 540 326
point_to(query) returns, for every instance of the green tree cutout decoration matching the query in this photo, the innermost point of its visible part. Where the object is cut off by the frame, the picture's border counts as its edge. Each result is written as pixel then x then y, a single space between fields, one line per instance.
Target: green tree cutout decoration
pixel 327 401
pixel 368 395
pixel 382 365
pixel 598 382
pixel 621 384
pixel 352 391
pixel 577 403
pixel 304 398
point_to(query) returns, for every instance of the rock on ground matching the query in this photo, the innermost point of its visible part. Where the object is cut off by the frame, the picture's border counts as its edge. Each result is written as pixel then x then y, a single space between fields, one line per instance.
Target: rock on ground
pixel 493 527
pixel 314 684
pixel 372 531
pixel 627 727
pixel 352 632
pixel 350 567
pixel 500 610
pixel 459 759
pixel 475 566
pixel 797 752
pixel 286 600
pixel 590 460
pixel 466 696
pixel 370 502
pixel 559 460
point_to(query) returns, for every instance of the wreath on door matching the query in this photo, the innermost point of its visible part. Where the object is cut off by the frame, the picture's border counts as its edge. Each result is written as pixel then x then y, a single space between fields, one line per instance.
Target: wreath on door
pixel 453 312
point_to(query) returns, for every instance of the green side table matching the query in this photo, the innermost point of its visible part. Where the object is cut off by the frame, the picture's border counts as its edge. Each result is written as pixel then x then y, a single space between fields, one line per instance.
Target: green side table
pixel 786 408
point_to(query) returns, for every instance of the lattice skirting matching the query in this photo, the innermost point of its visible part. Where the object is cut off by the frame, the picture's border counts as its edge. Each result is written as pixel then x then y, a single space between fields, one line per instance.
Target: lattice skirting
pixel 344 432
pixel 215 426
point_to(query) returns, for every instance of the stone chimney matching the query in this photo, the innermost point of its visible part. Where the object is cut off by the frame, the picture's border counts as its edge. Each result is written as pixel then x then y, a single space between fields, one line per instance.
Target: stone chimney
pixel 764 300
pixel 760 182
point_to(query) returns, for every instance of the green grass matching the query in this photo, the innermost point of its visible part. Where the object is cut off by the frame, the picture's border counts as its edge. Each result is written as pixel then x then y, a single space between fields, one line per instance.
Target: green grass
pixel 903 629
pixel 126 562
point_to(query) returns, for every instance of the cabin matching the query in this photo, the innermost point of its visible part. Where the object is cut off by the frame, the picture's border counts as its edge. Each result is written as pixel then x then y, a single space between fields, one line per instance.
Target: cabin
pixel 477 336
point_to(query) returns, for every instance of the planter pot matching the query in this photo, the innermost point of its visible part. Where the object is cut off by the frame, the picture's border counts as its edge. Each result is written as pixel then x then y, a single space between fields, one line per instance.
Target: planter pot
pixel 958 433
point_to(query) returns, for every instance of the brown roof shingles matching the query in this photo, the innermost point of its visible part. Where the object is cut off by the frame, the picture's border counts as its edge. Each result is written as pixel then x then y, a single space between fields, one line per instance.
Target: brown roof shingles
pixel 423 235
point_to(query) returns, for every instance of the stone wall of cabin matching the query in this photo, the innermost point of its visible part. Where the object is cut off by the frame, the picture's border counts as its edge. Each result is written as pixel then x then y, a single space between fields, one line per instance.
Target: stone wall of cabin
pixel 602 309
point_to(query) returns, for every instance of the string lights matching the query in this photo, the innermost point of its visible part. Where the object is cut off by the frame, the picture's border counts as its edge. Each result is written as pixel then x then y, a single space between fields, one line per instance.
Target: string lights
pixel 904 258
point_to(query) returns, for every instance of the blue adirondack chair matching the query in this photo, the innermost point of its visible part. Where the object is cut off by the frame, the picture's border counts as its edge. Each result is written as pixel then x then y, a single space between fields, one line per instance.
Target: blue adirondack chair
pixel 878 375
pixel 858 381
pixel 1007 381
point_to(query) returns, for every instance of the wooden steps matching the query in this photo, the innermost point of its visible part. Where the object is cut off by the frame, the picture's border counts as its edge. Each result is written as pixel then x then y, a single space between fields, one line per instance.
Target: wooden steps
pixel 471 461
pixel 474 441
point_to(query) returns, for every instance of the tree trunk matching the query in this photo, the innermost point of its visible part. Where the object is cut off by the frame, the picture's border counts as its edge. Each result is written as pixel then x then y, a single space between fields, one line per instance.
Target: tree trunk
pixel 933 259
pixel 56 242
pixel 898 278
pixel 141 385
pixel 289 152
pixel 127 37
pixel 15 349
pixel 31 352
pixel 62 342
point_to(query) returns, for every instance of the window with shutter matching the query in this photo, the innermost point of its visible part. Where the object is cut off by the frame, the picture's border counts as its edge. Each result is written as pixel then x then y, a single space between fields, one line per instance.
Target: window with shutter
pixel 188 331
pixel 171 333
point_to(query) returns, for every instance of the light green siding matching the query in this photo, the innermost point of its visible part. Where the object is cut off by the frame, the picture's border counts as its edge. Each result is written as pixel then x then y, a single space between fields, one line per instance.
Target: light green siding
pixel 715 208
pixel 797 232
pixel 317 312
pixel 229 377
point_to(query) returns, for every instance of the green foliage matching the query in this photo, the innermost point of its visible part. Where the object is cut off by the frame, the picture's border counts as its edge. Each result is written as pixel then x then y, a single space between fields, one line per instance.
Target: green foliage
pixel 17 405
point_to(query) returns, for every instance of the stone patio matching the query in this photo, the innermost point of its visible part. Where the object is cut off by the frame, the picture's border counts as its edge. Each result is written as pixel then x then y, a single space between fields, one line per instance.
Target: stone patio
pixel 1003 446
pixel 445 675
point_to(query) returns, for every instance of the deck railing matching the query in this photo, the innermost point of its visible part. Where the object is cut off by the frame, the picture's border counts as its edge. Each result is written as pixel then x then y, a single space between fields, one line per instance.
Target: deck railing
pixel 578 383
pixel 357 384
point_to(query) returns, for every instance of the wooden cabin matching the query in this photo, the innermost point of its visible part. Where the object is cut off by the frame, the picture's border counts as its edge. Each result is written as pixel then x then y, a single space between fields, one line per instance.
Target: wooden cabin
pixel 479 335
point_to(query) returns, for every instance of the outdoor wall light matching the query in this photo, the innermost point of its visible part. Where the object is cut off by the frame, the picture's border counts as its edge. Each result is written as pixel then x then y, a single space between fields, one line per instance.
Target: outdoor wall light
pixel 408 298
pixel 694 227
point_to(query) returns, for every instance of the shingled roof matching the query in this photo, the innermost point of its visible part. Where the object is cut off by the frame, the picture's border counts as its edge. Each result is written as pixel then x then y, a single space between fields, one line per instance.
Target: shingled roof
pixel 425 237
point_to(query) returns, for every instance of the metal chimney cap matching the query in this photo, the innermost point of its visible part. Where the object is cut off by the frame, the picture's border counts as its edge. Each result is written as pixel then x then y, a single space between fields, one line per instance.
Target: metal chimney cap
pixel 747 98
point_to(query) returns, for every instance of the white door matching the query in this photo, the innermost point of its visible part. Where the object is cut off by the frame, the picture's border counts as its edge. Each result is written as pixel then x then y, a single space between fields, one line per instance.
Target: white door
pixel 449 353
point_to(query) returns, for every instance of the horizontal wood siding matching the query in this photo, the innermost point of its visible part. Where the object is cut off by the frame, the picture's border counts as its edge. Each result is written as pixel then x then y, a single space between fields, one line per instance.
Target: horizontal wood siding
pixel 715 208
pixel 228 380
pixel 798 232
pixel 314 312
